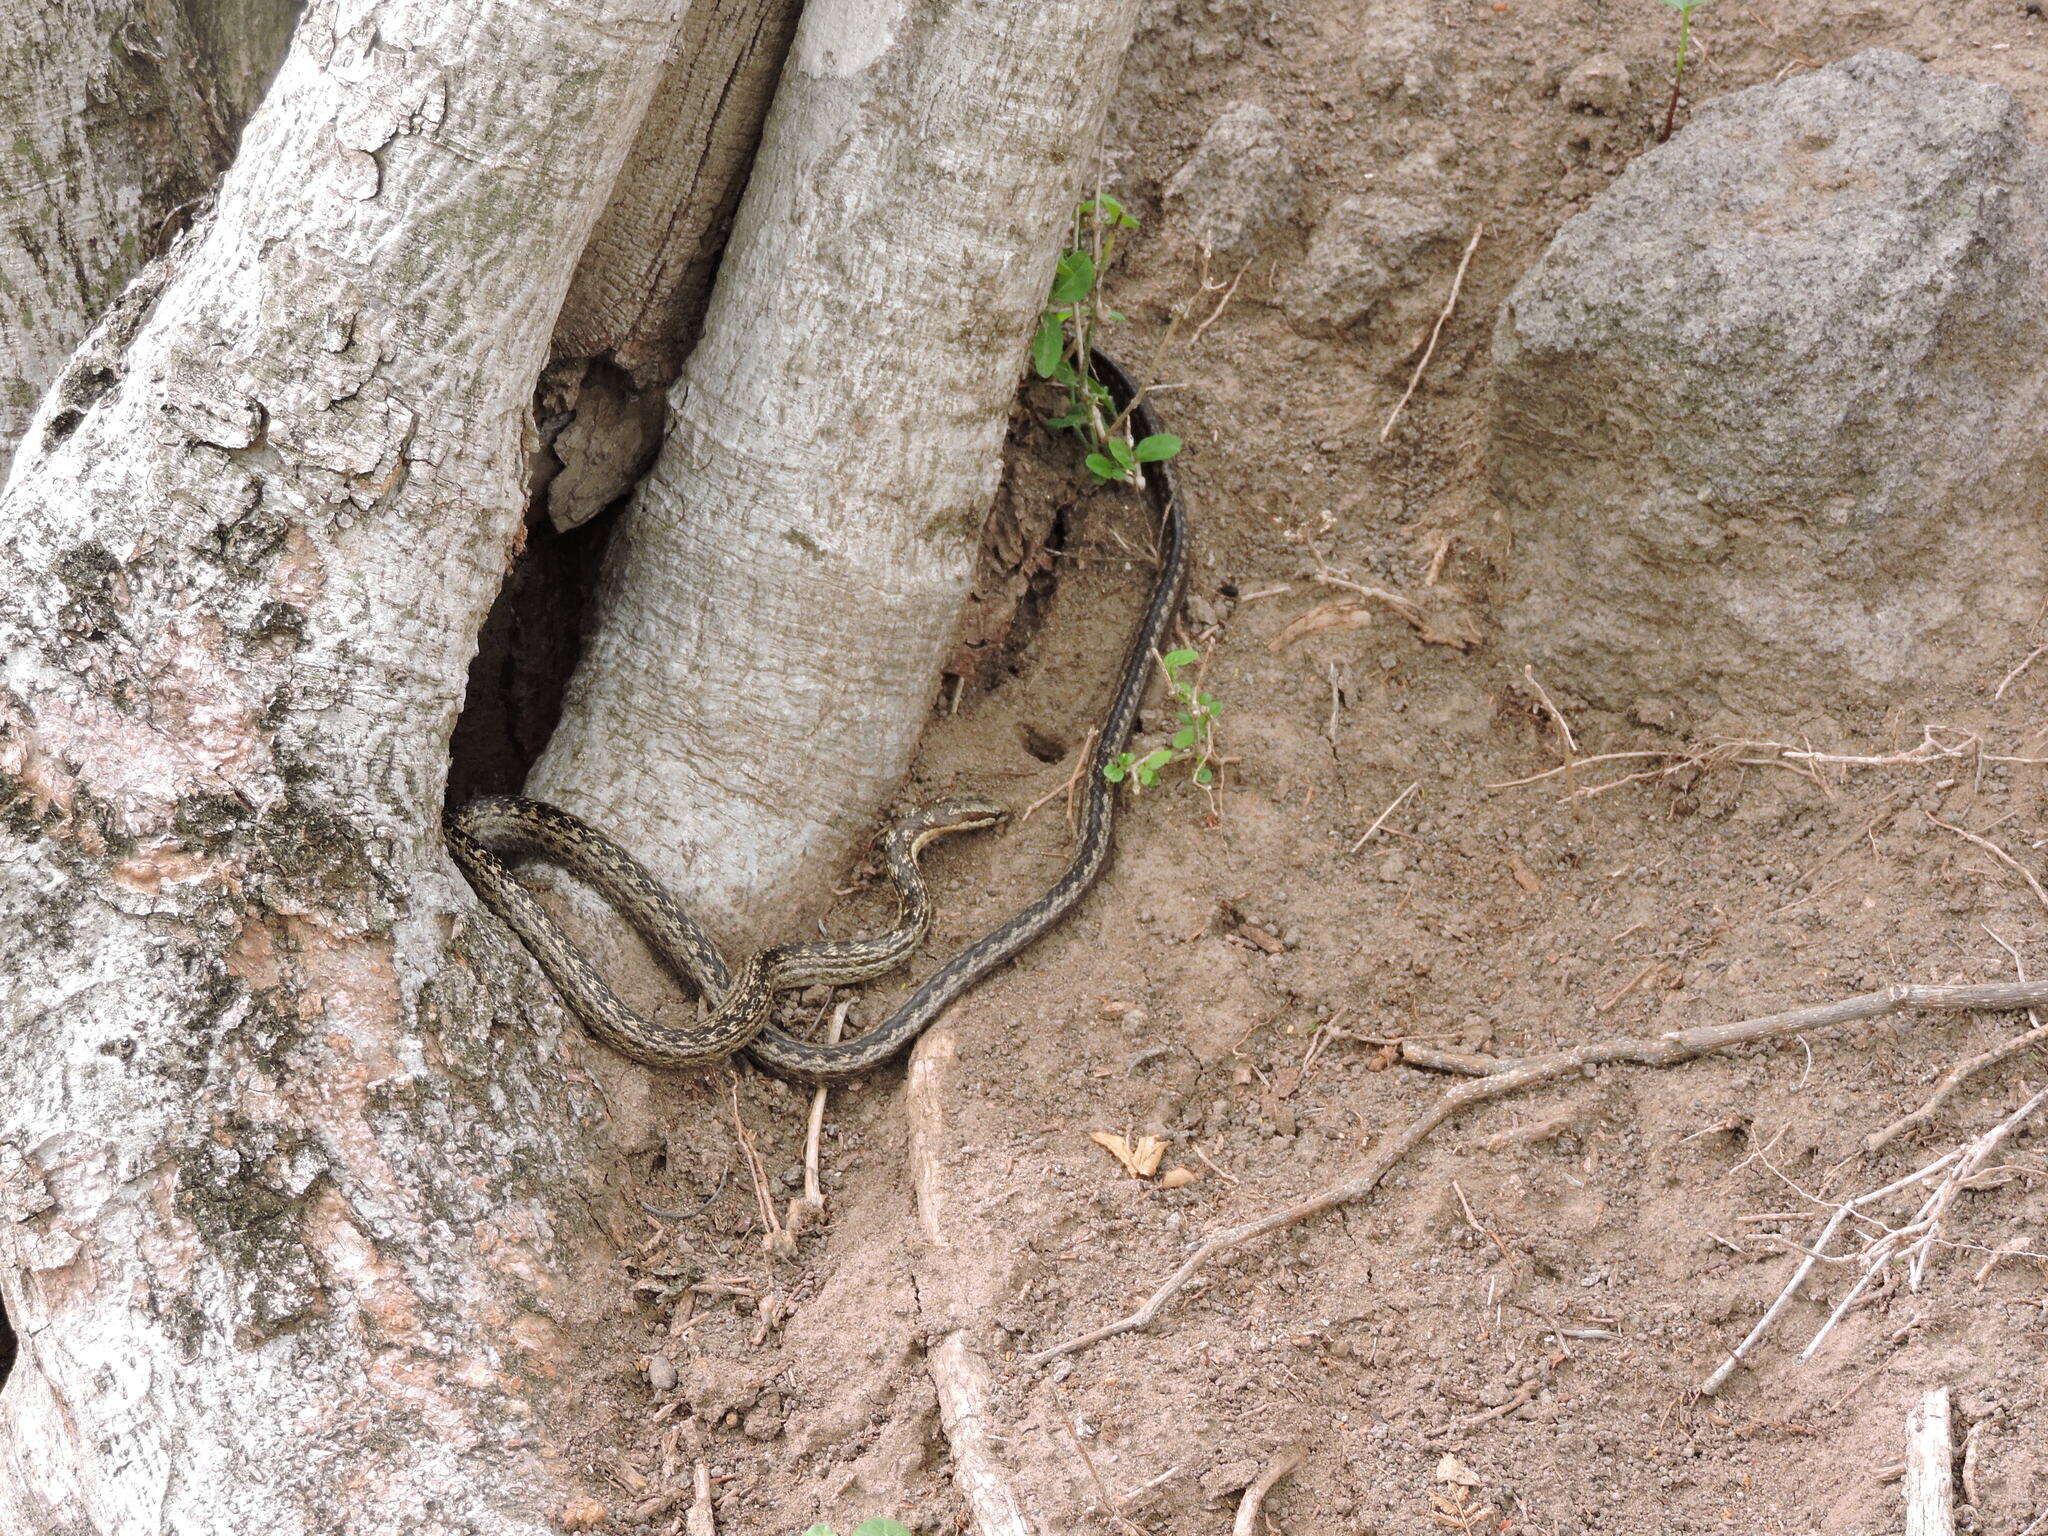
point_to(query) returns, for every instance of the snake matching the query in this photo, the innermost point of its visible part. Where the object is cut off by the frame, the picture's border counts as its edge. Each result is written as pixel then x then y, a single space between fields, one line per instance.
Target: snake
pixel 741 998
pixel 486 828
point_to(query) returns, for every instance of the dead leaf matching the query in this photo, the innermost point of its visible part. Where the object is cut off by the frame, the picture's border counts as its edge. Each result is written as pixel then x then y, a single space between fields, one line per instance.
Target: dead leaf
pixel 1263 939
pixel 583 1515
pixel 1141 1161
pixel 1440 615
pixel 1177 1178
pixel 1333 615
pixel 1452 1470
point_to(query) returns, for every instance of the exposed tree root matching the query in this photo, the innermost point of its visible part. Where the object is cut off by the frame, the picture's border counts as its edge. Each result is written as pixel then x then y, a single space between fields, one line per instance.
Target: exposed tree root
pixel 959 1373
pixel 1512 1076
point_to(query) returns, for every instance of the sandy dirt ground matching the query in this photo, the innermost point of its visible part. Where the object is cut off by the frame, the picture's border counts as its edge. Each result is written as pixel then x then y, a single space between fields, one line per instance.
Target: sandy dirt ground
pixel 1508 1335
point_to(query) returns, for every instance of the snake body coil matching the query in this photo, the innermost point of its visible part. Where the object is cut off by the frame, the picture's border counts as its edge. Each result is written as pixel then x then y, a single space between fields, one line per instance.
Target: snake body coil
pixel 742 998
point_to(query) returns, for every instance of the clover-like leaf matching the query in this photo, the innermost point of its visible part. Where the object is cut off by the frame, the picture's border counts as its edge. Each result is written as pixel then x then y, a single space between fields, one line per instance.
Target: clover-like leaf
pixel 1073 278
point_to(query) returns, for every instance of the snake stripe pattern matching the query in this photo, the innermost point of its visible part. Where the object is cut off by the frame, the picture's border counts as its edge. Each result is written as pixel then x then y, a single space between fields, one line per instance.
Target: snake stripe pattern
pixel 741 999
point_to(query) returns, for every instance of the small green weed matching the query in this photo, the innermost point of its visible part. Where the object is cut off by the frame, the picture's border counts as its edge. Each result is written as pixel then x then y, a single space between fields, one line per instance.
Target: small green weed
pixel 1193 739
pixel 875 1527
pixel 1685 8
pixel 1060 351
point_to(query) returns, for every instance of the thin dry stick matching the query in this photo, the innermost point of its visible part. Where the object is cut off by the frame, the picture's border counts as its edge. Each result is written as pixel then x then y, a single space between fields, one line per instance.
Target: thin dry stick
pixel 1967 1167
pixel 803 1212
pixel 1381 820
pixel 1930 1473
pixel 1877 1141
pixel 1998 853
pixel 1587 762
pixel 1436 331
pixel 1229 293
pixel 1564 726
pixel 1653 1051
pixel 1924 1230
pixel 700 1521
pixel 1111 1506
pixel 1247 1522
pixel 763 1197
pixel 1066 785
pixel 1813 1255
pixel 2013 676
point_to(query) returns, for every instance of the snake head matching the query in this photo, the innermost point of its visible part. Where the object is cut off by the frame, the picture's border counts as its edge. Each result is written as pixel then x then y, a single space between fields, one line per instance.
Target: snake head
pixel 962 813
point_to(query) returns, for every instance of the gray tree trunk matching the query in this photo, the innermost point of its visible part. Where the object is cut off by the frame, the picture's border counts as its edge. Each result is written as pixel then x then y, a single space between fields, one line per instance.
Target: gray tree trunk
pixel 639 293
pixel 302 1187
pixel 109 127
pixel 780 599
pixel 298 1201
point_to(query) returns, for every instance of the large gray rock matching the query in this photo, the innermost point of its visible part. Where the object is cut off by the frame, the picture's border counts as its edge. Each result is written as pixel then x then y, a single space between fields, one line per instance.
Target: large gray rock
pixel 1770 417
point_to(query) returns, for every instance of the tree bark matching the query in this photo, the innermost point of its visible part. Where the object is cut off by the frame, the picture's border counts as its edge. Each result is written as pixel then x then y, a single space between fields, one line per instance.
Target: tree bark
pixel 109 126
pixel 779 600
pixel 633 310
pixel 297 1189
pixel 640 289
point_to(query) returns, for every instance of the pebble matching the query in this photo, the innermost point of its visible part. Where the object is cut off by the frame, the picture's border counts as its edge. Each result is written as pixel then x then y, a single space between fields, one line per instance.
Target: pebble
pixel 1599 84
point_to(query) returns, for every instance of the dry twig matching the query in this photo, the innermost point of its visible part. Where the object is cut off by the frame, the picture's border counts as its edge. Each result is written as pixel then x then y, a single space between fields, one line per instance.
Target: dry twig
pixel 1930 1474
pixel 764 1198
pixel 1812 1256
pixel 1066 785
pixel 1511 1077
pixel 1247 1522
pixel 700 1521
pixel 1916 1240
pixel 1435 334
pixel 1877 1141
pixel 1998 853
pixel 1381 820
pixel 1564 726
pixel 808 1209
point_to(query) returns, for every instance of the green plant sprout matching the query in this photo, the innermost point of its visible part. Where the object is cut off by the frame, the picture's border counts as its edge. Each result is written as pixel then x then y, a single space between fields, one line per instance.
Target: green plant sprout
pixel 875 1527
pixel 1193 739
pixel 1685 8
pixel 1063 345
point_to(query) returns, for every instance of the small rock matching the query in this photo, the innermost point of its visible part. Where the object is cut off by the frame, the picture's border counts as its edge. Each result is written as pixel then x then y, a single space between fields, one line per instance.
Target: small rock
pixel 1403 60
pixel 1364 250
pixel 1239 188
pixel 661 1373
pixel 1599 84
pixel 720 1389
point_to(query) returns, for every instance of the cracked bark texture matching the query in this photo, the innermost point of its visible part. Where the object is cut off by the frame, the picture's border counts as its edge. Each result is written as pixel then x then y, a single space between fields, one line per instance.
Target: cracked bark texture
pixel 111 126
pixel 632 312
pixel 780 597
pixel 297 1176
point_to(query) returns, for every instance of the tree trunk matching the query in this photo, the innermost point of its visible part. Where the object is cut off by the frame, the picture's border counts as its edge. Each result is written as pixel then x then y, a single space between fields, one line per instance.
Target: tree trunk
pixel 296 1185
pixel 778 603
pixel 109 126
pixel 633 310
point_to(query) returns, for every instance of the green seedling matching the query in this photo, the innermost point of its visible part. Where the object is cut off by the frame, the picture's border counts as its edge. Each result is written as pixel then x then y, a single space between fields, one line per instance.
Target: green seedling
pixel 1685 8
pixel 1061 348
pixel 1194 736
pixel 875 1527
